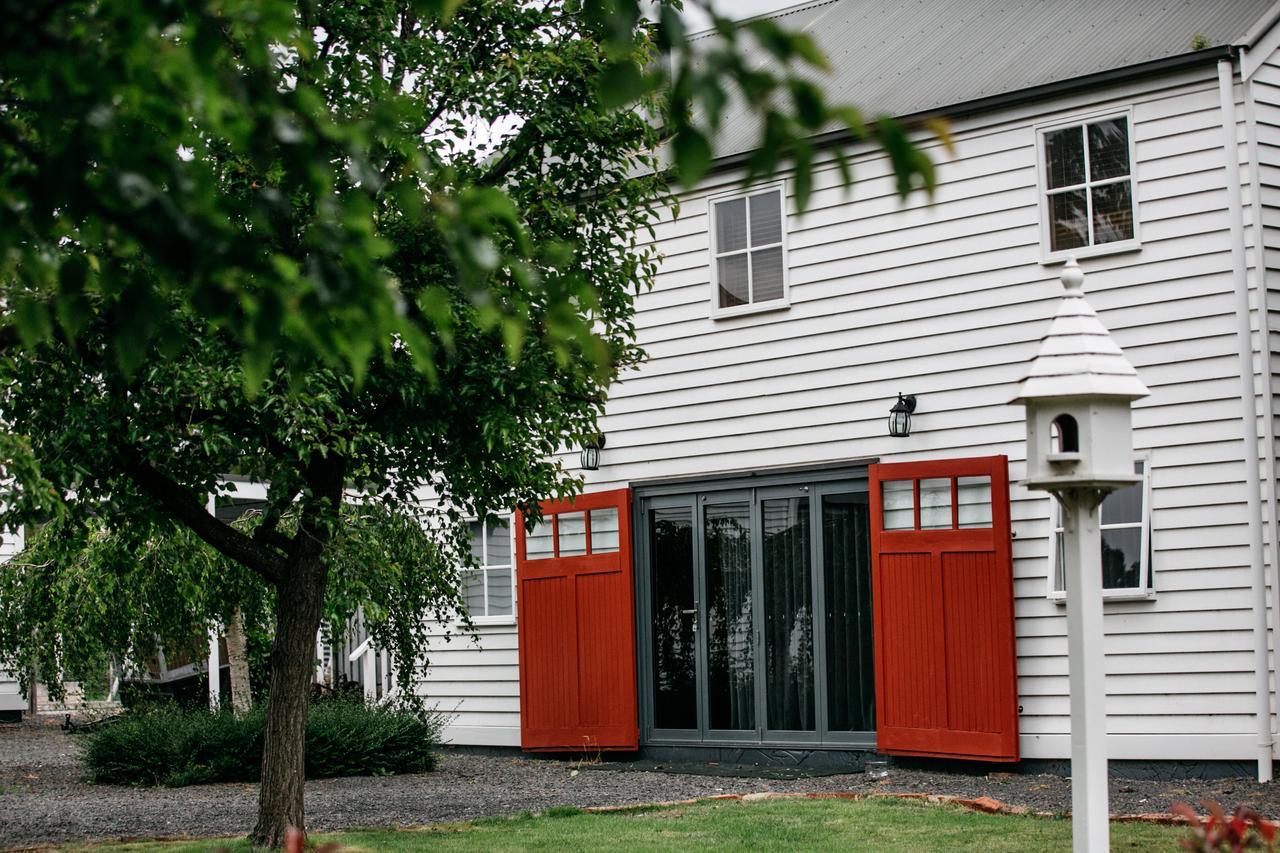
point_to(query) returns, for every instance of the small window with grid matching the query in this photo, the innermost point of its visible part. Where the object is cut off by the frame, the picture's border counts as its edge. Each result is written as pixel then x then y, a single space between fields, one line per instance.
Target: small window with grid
pixel 1087 201
pixel 748 265
pixel 488 590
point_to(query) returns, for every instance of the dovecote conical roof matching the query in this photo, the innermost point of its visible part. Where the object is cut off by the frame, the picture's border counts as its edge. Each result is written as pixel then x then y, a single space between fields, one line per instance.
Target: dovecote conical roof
pixel 1077 356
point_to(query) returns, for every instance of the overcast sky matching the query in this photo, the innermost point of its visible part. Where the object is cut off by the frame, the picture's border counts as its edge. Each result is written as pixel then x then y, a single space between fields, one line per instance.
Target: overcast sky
pixel 734 8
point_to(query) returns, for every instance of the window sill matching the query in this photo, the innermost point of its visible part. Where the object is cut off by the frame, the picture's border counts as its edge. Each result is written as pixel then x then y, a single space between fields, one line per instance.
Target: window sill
pixel 745 310
pixel 1111 595
pixel 491 621
pixel 1101 250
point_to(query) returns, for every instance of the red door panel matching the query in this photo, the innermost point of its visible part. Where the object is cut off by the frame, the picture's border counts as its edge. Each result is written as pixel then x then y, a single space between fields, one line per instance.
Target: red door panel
pixel 577 628
pixel 942 593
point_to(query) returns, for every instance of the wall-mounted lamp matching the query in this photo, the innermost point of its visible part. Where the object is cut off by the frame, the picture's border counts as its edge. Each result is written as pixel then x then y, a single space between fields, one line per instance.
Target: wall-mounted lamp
pixel 590 456
pixel 900 415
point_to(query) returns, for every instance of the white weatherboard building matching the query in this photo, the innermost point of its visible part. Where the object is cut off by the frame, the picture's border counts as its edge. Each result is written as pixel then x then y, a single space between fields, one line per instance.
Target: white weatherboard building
pixel 12 701
pixel 760 493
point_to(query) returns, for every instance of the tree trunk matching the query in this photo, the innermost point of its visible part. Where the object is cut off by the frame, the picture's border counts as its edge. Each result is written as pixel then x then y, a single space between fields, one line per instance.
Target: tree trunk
pixel 238 659
pixel 299 608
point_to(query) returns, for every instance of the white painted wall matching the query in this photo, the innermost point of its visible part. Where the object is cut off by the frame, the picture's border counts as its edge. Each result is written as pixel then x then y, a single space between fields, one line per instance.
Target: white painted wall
pixel 948 300
pixel 11 698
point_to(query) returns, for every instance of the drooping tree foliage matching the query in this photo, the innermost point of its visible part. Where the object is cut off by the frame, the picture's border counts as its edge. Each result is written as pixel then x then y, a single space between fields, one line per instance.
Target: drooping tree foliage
pixel 377 249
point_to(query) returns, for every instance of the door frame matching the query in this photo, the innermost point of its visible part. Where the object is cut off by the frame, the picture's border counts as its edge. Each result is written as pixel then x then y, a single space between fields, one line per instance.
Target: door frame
pixel 684 492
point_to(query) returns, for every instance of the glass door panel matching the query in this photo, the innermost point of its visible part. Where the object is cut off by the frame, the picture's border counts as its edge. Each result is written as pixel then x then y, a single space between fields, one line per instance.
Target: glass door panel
pixel 850 664
pixel 758 613
pixel 674 617
pixel 788 614
pixel 730 622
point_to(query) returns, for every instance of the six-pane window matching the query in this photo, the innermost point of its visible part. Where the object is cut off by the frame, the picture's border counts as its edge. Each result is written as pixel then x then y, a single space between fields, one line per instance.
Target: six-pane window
pixel 748 259
pixel 487 590
pixel 1126 537
pixel 1088 181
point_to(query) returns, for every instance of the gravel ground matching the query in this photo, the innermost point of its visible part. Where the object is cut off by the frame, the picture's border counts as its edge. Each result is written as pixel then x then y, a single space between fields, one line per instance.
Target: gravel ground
pixel 44 800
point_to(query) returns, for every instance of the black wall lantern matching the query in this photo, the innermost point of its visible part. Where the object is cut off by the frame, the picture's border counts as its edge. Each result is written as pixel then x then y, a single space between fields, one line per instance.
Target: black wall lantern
pixel 591 452
pixel 900 416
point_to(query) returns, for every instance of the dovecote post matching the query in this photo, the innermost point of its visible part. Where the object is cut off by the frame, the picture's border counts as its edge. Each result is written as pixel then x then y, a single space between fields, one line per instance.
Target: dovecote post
pixel 1078 394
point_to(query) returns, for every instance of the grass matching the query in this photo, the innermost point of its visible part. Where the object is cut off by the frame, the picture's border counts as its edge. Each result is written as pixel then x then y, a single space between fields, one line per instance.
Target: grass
pixel 868 825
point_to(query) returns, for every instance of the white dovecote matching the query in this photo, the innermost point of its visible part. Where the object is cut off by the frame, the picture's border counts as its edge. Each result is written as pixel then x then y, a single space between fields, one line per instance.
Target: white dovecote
pixel 1078 393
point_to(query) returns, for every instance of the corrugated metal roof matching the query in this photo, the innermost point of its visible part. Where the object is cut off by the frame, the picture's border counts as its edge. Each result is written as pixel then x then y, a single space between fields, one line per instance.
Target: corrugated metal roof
pixel 922 56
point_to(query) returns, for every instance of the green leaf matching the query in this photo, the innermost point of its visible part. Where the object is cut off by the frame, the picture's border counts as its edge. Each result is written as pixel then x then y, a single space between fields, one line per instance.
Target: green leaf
pixel 807 97
pixel 620 83
pixel 803 178
pixel 33 322
pixel 692 155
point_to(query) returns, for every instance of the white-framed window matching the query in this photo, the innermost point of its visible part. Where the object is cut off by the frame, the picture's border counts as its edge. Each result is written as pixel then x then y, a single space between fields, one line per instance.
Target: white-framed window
pixel 489 591
pixel 1088 203
pixel 748 251
pixel 1125 522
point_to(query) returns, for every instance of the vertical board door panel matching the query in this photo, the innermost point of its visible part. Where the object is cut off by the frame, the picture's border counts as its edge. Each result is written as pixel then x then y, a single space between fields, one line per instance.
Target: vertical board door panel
pixel 577 629
pixel 945 656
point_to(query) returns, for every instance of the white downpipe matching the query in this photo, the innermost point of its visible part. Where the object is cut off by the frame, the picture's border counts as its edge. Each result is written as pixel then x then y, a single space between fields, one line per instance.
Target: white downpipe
pixel 215 653
pixel 1272 528
pixel 1248 419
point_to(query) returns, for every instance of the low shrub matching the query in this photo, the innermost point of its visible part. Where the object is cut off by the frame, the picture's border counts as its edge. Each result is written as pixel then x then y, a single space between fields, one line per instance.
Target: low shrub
pixel 174 746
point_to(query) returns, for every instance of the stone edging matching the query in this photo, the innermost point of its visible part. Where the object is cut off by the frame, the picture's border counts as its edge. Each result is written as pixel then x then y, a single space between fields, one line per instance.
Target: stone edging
pixel 986 805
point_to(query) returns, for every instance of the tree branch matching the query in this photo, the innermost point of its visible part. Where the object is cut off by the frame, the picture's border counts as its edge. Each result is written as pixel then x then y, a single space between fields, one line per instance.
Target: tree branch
pixel 523 143
pixel 184 505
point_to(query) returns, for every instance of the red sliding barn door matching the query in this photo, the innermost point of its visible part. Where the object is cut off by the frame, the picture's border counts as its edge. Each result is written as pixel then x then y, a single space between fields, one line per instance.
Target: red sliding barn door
pixel 942 592
pixel 577 626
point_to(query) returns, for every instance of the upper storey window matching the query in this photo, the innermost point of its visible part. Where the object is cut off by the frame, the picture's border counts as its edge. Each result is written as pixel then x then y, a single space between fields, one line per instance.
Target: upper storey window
pixel 749 263
pixel 1087 193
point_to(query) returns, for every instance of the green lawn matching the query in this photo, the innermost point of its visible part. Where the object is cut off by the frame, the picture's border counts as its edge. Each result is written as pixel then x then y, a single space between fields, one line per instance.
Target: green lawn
pixel 890 825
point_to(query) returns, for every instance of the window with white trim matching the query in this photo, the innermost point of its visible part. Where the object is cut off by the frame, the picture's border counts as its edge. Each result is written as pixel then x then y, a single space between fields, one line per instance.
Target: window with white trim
pixel 1125 517
pixel 748 255
pixel 1086 181
pixel 488 590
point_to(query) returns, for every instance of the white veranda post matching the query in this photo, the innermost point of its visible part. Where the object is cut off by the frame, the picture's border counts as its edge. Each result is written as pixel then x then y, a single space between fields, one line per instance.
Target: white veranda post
pixel 1078 393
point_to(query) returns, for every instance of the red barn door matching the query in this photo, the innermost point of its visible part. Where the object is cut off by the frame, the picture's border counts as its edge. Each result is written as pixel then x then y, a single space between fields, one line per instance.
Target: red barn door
pixel 942 592
pixel 577 626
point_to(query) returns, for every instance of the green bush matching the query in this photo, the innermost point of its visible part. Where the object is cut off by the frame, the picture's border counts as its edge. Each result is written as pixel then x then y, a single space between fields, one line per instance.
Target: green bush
pixel 174 746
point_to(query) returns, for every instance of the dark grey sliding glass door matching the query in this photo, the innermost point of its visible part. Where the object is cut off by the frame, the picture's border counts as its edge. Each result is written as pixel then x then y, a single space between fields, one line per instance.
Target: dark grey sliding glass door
pixel 787 607
pixel 675 617
pixel 756 613
pixel 731 668
pixel 846 570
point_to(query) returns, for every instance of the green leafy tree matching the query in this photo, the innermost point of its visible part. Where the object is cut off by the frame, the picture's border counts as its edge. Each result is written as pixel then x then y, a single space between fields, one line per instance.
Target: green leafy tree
pixel 380 248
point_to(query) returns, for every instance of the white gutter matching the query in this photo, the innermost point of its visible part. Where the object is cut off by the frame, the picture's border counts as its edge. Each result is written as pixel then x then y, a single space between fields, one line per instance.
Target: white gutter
pixel 1248 419
pixel 1264 348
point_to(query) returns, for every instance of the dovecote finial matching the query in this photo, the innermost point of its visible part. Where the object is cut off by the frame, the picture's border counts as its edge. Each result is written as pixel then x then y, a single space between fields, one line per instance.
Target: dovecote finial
pixel 1073 277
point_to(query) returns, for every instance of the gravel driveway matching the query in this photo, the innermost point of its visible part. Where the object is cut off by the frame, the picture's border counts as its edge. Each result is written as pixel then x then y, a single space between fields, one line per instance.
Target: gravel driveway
pixel 43 798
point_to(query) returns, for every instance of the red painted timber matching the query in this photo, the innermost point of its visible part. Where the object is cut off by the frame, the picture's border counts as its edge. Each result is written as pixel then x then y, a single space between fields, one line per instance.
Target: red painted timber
pixel 577 638
pixel 945 657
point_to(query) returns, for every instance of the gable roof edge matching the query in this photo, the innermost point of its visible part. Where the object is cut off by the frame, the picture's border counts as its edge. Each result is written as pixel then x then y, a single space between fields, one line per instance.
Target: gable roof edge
pixel 1261 26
